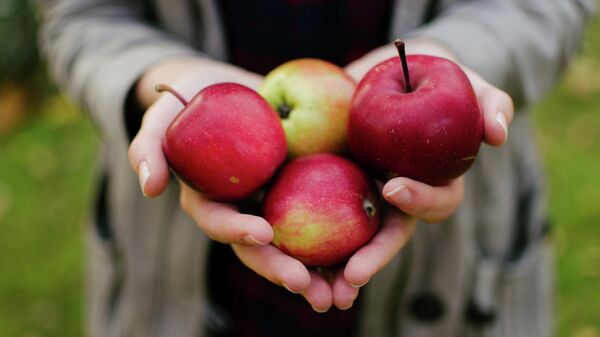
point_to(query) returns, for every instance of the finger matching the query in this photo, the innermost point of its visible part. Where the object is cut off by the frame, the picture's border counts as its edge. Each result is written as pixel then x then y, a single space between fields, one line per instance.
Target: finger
pixel 222 222
pixel 145 151
pixel 318 293
pixel 277 267
pixel 396 230
pixel 344 294
pixel 432 204
pixel 358 68
pixel 251 80
pixel 498 113
pixel 497 108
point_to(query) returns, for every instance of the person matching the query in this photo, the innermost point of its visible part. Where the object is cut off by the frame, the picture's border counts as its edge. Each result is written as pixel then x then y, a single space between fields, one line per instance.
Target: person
pixel 155 269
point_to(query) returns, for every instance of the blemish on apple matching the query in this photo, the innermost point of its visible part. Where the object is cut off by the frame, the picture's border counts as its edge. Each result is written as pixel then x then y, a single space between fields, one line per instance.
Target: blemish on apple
pixel 370 208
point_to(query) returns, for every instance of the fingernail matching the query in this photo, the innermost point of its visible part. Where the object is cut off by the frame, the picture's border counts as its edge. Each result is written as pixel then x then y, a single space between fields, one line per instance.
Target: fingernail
pixel 346 307
pixel 251 240
pixel 144 174
pixel 283 284
pixel 320 311
pixel 359 285
pixel 501 119
pixel 399 195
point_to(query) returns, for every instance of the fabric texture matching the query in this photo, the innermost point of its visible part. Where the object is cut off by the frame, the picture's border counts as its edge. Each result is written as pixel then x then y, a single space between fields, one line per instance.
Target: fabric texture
pixel 147 274
pixel 338 31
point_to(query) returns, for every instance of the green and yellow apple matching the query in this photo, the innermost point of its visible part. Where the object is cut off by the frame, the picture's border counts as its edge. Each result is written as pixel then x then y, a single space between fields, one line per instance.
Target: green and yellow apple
pixel 312 98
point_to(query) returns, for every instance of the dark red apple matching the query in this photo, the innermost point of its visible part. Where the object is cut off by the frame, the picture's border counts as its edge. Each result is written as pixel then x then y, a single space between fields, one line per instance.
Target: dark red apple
pixel 322 208
pixel 429 130
pixel 227 142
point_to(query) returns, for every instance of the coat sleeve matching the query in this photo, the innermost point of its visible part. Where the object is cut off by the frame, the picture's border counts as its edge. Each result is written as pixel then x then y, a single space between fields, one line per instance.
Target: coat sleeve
pixel 97 49
pixel 520 46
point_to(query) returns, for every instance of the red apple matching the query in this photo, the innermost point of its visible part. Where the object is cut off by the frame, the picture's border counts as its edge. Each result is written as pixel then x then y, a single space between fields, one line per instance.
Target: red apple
pixel 312 98
pixel 430 130
pixel 227 142
pixel 322 209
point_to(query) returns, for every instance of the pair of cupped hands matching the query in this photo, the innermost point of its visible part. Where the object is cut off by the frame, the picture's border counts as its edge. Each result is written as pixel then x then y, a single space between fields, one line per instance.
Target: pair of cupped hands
pixel 250 235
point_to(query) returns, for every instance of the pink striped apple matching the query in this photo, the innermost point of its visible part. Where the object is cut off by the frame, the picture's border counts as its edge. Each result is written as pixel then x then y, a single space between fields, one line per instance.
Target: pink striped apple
pixel 226 143
pixel 322 208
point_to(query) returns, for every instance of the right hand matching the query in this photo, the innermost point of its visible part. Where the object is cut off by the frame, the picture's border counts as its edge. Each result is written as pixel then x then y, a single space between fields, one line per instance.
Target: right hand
pixel 220 221
pixel 187 76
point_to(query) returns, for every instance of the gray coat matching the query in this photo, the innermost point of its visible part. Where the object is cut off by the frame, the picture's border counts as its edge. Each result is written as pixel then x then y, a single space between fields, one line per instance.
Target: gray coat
pixel 147 258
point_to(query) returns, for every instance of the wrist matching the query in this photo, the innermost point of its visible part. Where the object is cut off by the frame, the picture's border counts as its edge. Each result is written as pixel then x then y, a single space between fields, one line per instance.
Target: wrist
pixel 426 46
pixel 429 46
pixel 188 76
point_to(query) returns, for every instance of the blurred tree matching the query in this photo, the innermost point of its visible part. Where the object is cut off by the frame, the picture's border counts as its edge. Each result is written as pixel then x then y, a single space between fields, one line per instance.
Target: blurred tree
pixel 18 55
pixel 22 80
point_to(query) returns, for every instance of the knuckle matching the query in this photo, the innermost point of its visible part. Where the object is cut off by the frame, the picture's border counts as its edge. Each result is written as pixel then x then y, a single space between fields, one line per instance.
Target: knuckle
pixel 133 150
pixel 233 222
pixel 437 218
pixel 146 117
pixel 184 199
pixel 211 236
pixel 426 208
pixel 229 229
pixel 505 97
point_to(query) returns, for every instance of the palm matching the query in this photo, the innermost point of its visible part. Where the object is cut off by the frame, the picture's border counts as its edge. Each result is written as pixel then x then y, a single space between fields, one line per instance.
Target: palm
pixel 323 288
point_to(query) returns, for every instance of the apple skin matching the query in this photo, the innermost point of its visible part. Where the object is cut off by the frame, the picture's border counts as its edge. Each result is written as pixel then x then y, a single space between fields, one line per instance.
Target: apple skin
pixel 431 134
pixel 322 208
pixel 226 143
pixel 312 98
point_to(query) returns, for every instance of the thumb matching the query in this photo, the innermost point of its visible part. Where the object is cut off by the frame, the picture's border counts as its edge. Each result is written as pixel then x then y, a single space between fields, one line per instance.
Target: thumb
pixel 497 108
pixel 146 156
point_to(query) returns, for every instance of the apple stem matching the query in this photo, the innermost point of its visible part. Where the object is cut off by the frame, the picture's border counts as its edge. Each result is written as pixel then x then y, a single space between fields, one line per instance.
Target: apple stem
pixel 402 52
pixel 164 87
pixel 284 110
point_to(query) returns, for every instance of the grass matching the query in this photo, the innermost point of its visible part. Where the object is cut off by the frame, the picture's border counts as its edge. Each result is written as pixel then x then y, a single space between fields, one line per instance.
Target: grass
pixel 568 121
pixel 46 187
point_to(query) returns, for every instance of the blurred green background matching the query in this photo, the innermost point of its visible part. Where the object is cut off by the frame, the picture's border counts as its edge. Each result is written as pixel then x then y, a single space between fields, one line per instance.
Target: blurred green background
pixel 48 158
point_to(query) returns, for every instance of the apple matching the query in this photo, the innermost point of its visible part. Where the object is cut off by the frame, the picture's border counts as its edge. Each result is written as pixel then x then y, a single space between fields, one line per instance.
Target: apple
pixel 226 143
pixel 416 117
pixel 322 208
pixel 312 98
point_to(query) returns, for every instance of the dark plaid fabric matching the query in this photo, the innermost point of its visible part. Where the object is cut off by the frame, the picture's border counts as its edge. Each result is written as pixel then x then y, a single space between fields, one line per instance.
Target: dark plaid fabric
pixel 251 306
pixel 263 34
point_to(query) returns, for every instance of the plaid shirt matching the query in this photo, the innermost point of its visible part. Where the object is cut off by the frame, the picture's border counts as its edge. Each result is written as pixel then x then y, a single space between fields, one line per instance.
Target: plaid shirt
pixel 263 34
pixel 251 306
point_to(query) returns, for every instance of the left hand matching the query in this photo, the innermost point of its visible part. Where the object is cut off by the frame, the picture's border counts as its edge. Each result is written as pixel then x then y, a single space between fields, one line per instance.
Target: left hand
pixel 428 203
pixel 413 199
